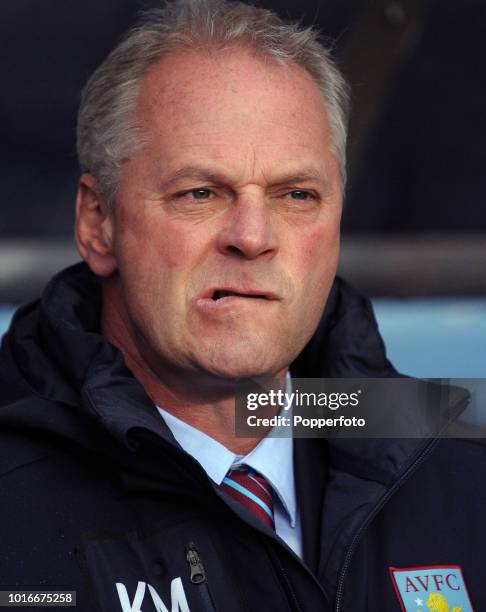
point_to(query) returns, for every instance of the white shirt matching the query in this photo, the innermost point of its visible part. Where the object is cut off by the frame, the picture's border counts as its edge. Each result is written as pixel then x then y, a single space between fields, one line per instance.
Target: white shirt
pixel 272 458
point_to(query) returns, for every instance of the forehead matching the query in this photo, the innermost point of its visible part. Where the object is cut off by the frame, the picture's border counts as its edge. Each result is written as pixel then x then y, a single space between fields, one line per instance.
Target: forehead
pixel 231 97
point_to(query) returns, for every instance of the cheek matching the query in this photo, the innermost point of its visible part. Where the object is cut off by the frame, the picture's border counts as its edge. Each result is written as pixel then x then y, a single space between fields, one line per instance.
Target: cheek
pixel 320 250
pixel 153 246
pixel 317 269
pixel 174 249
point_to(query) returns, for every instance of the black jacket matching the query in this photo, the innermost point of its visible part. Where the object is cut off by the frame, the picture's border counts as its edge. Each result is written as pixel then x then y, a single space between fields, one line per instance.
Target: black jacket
pixel 97 497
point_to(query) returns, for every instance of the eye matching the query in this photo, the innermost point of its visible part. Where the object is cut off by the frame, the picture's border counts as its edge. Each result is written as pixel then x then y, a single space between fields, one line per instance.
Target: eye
pixel 200 194
pixel 301 194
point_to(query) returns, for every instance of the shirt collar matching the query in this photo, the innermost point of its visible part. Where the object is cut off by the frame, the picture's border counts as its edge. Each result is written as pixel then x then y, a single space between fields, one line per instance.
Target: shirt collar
pixel 215 458
pixel 272 458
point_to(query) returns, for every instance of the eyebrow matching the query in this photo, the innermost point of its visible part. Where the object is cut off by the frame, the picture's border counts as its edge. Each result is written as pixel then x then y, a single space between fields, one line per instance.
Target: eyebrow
pixel 199 173
pixel 196 173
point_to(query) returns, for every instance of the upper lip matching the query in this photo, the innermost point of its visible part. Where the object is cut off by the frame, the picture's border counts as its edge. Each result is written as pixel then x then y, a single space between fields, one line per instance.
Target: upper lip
pixel 244 291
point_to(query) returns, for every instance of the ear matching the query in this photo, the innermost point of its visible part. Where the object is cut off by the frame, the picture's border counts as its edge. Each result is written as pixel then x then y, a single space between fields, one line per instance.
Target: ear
pixel 94 228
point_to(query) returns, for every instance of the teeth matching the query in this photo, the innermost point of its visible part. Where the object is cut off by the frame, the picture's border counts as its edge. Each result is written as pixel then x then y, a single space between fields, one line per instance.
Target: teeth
pixel 221 294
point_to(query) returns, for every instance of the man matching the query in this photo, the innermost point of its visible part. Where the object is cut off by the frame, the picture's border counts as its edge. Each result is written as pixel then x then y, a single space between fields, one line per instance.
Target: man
pixel 211 143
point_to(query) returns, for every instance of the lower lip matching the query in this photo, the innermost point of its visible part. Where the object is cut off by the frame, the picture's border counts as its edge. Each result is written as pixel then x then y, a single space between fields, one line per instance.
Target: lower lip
pixel 230 301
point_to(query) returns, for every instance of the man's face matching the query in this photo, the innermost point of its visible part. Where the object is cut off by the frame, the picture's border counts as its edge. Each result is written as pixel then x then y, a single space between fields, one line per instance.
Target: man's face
pixel 226 228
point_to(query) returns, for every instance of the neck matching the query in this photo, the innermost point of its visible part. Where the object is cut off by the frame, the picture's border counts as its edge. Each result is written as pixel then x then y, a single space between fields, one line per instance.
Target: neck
pixel 206 403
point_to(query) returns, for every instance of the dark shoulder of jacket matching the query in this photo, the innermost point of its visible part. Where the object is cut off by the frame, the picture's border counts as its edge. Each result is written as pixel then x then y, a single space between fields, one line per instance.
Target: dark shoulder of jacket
pixel 456 466
pixel 11 387
pixel 19 444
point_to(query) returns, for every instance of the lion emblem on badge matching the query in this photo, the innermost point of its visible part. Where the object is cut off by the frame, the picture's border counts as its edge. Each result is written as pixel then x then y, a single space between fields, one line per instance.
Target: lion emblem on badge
pixel 438 603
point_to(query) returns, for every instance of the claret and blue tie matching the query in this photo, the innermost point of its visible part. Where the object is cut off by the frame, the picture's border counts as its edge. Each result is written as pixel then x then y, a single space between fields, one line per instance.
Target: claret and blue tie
pixel 252 491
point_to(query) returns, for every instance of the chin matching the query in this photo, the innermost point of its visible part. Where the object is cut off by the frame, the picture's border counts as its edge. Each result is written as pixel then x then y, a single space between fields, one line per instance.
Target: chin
pixel 243 360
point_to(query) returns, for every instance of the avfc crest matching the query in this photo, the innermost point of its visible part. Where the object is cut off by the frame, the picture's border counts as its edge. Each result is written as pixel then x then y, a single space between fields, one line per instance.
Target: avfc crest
pixel 437 588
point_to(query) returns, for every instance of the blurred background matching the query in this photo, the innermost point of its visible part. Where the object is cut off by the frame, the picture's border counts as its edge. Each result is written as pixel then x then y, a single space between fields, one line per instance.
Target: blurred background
pixel 415 215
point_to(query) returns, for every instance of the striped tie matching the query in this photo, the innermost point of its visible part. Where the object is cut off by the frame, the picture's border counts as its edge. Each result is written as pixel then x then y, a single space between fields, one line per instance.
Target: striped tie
pixel 251 490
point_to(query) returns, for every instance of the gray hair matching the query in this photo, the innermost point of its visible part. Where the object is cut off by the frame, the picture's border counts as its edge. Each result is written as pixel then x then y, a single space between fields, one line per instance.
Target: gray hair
pixel 107 134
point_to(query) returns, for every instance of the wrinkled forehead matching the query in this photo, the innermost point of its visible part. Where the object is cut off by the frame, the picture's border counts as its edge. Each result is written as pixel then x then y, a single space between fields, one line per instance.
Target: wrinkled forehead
pixel 232 94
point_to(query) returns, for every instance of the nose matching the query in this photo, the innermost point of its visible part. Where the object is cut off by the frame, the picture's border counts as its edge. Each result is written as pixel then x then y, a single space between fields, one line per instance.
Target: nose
pixel 249 231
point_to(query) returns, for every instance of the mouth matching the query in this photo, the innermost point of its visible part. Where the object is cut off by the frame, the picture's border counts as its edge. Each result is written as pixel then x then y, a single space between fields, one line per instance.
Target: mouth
pixel 221 298
pixel 219 294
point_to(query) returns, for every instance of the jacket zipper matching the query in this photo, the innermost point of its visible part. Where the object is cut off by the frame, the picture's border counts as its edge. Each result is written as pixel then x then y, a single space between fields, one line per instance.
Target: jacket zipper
pixel 288 587
pixel 198 576
pixel 369 518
